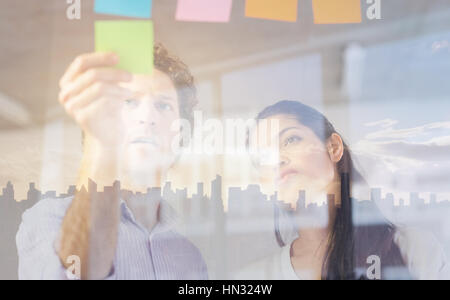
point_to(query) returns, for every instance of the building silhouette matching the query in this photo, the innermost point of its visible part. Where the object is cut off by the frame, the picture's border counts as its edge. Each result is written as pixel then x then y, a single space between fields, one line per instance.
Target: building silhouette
pixel 227 234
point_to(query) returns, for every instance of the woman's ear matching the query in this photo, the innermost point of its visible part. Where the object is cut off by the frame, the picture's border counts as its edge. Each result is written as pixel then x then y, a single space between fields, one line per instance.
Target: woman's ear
pixel 335 147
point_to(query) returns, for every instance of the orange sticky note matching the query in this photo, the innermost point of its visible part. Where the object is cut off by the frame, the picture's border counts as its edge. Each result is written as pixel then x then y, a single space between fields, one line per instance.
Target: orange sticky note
pixel 337 11
pixel 280 10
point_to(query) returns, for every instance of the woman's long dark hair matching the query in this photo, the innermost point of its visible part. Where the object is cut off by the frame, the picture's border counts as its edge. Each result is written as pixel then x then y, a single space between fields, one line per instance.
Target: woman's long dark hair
pixel 350 245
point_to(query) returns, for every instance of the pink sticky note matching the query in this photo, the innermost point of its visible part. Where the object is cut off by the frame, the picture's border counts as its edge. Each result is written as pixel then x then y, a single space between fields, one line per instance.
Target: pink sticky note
pixel 204 10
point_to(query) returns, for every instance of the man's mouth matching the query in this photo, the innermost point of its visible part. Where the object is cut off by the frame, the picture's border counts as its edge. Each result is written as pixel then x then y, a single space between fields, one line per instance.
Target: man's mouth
pixel 145 140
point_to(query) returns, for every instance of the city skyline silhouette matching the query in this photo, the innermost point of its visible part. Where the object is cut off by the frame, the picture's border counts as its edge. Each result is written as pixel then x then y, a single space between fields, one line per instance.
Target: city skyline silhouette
pixel 34 194
pixel 247 222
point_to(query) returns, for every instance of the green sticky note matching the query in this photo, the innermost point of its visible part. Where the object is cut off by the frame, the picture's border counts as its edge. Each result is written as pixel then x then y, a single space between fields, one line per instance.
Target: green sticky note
pixel 131 40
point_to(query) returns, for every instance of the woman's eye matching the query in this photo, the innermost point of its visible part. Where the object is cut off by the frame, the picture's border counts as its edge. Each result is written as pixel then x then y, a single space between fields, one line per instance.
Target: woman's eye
pixel 131 103
pixel 292 140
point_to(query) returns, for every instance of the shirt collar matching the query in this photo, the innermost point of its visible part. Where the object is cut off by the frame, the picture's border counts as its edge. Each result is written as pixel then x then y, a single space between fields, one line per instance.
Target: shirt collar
pixel 167 216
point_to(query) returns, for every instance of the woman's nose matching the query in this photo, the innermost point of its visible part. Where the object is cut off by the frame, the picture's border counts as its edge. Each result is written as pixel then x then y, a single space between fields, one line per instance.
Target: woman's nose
pixel 284 160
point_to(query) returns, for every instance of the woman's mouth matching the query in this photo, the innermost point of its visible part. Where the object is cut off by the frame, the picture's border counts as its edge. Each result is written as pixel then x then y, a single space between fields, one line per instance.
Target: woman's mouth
pixel 285 175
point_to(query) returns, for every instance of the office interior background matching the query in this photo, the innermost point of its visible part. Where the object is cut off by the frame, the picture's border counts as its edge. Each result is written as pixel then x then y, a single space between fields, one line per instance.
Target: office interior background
pixel 383 83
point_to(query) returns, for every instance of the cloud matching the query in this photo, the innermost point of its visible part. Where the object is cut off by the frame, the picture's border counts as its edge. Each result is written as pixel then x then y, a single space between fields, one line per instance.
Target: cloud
pixel 389 133
pixel 407 159
pixel 415 151
pixel 382 123
pixel 400 174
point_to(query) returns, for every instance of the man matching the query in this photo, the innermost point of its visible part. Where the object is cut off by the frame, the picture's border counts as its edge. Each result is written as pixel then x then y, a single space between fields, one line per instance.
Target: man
pixel 127 122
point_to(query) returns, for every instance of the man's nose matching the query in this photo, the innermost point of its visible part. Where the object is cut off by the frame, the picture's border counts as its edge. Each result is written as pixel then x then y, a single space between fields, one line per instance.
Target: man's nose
pixel 147 113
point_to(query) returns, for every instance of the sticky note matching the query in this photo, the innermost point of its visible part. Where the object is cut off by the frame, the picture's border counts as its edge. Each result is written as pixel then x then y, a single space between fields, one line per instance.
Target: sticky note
pixel 280 10
pixel 126 8
pixel 204 10
pixel 131 40
pixel 337 11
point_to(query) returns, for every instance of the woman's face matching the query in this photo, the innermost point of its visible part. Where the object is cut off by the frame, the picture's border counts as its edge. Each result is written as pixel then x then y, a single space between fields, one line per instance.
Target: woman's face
pixel 303 162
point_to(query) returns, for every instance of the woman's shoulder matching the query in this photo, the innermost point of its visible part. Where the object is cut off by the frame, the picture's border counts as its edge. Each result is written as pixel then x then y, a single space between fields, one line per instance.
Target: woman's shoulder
pixel 274 267
pixel 422 253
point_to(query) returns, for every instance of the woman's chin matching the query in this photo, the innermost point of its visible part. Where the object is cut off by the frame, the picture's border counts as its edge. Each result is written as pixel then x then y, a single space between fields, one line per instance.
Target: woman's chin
pixel 289 186
pixel 289 195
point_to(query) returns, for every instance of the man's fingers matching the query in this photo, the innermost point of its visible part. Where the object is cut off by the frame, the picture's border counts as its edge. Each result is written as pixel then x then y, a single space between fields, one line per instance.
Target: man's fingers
pixel 87 61
pixel 90 77
pixel 95 92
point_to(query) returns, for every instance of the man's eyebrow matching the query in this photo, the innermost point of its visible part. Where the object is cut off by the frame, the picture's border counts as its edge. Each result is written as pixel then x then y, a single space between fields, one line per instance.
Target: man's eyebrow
pixel 166 96
pixel 286 129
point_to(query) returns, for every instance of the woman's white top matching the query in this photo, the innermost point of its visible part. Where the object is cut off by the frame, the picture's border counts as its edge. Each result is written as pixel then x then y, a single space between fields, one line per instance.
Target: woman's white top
pixel 423 256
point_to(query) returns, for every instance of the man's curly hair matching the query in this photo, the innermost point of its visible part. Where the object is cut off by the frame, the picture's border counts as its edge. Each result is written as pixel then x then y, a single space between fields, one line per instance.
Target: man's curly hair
pixel 181 77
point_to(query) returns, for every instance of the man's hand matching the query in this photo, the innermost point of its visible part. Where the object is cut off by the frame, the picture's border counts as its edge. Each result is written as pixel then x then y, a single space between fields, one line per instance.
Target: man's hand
pixel 91 95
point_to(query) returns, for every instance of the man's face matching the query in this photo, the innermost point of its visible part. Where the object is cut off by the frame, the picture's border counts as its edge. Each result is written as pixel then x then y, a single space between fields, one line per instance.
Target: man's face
pixel 147 119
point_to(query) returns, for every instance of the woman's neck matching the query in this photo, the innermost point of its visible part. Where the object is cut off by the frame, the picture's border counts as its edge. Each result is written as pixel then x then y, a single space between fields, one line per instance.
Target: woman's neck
pixel 308 251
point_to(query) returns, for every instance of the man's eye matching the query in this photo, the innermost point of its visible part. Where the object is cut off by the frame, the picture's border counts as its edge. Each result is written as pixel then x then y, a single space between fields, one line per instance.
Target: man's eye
pixel 162 106
pixel 131 103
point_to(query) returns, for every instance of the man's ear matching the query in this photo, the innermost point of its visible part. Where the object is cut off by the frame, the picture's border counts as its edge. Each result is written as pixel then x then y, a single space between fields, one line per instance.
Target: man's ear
pixel 335 147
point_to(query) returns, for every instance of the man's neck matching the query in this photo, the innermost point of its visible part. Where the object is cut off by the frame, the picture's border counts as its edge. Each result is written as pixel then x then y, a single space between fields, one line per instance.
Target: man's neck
pixel 146 211
pixel 144 208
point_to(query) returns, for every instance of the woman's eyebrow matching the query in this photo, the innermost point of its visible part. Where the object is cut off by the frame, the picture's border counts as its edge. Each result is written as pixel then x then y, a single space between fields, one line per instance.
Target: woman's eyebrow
pixel 286 129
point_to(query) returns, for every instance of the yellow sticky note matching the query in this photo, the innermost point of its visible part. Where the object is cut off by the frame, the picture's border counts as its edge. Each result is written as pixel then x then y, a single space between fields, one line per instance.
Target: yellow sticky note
pixel 131 40
pixel 279 10
pixel 337 11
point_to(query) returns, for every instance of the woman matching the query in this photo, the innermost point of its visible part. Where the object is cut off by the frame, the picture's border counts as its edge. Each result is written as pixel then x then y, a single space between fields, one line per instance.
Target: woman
pixel 341 239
